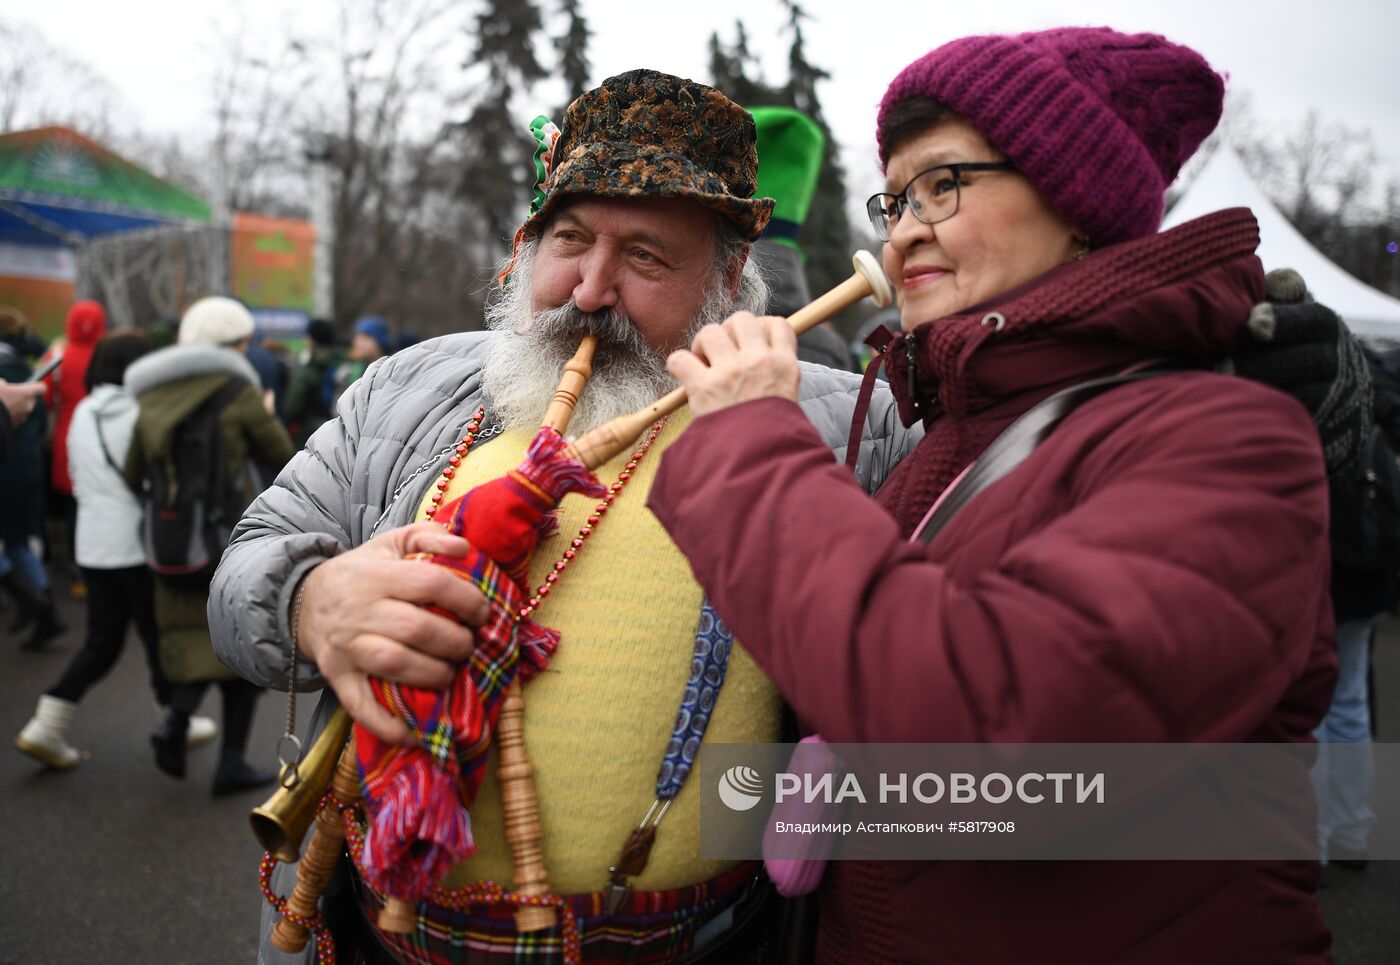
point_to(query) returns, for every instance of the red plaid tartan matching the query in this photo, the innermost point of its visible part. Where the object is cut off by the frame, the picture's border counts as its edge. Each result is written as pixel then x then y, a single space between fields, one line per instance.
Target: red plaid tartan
pixel 417 798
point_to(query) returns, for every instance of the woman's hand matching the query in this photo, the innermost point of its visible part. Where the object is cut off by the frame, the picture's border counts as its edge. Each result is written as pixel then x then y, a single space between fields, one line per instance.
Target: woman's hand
pixel 748 357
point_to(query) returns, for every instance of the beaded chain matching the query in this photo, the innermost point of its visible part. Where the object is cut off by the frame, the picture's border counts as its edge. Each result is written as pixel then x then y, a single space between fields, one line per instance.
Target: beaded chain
pixel 486 892
pixel 316 924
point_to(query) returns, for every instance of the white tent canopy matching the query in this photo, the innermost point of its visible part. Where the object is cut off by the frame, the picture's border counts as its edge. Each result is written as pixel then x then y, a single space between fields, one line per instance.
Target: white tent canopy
pixel 1224 183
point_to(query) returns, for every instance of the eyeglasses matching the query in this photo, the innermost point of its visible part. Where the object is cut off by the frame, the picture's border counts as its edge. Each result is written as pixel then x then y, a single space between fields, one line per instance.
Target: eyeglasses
pixel 931 195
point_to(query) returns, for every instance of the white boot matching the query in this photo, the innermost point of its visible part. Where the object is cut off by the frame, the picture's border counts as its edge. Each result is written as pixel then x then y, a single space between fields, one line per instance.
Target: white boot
pixel 202 730
pixel 44 738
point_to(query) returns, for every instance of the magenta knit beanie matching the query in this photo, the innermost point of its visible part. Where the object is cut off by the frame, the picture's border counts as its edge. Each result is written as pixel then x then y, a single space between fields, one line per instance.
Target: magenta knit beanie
pixel 1099 121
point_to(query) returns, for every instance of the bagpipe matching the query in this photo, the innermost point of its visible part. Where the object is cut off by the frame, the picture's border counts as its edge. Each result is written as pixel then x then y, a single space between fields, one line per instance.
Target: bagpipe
pixel 416 800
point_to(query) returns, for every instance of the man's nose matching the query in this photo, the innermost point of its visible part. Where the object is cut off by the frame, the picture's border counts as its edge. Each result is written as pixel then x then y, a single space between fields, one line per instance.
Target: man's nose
pixel 597 285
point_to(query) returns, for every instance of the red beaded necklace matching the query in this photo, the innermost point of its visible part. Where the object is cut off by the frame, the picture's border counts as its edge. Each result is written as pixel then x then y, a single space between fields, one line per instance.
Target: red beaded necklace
pixel 586 530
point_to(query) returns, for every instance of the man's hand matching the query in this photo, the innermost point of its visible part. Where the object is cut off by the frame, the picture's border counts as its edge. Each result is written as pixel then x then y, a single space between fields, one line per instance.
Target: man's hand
pixel 20 398
pixel 748 357
pixel 1304 349
pixel 361 616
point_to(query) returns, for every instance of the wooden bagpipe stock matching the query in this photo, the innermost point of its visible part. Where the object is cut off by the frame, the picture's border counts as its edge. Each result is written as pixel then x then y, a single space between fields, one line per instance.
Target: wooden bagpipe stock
pixel 595 448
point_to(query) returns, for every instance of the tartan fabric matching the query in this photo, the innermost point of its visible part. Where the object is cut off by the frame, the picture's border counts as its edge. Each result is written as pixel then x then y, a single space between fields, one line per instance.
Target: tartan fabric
pixel 417 798
pixel 655 926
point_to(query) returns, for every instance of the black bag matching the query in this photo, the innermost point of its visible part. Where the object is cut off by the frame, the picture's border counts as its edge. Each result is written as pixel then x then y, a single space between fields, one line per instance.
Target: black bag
pixel 1365 508
pixel 189 501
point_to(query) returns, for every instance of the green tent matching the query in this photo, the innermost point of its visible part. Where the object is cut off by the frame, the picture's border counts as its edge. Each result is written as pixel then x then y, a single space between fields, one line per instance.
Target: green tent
pixel 57 187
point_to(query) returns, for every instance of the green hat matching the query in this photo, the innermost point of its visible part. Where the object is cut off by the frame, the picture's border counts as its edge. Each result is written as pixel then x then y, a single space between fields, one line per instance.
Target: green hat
pixel 648 134
pixel 790 146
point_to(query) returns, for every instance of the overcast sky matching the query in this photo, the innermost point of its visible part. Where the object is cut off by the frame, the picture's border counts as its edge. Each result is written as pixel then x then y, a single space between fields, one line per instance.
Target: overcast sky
pixel 1339 57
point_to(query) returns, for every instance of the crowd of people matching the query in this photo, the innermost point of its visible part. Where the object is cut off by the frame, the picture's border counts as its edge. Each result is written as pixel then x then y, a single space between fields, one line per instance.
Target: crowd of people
pixel 803 551
pixel 72 475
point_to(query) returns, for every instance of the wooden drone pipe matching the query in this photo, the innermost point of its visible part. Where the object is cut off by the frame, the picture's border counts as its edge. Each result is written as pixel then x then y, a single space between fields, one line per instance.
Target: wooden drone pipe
pixel 318 864
pixel 595 448
pixel 520 806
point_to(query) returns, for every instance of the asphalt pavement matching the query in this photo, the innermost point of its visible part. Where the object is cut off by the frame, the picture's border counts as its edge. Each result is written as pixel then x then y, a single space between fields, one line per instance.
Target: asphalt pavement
pixel 116 863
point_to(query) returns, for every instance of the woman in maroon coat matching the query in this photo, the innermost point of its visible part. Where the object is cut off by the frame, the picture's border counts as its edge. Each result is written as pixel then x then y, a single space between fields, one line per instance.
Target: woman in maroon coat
pixel 1156 571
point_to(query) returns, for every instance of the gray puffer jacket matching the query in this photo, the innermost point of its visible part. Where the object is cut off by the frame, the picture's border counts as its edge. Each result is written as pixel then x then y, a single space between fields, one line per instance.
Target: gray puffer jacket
pixel 367 472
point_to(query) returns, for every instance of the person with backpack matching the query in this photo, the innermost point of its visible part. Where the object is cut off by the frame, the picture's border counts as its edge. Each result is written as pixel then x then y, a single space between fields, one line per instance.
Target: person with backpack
pixel 108 552
pixel 307 405
pixel 201 429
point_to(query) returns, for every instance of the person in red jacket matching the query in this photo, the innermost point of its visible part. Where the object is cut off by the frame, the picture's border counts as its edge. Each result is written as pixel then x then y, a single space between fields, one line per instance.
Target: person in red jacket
pixel 87 322
pixel 1155 571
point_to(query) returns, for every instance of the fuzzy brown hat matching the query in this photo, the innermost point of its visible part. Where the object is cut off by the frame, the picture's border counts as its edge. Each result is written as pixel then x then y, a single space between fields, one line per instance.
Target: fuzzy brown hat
pixel 648 134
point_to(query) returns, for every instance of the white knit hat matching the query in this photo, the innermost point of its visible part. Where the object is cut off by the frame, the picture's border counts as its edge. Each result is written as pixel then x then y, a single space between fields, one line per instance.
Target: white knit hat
pixel 215 321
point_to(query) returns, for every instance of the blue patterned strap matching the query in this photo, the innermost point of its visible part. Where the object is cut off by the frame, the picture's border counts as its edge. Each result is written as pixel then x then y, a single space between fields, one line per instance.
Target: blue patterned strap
pixel 708 666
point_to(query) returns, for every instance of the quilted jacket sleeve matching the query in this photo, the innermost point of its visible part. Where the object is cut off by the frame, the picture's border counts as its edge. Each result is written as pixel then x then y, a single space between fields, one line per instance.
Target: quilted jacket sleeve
pixel 303 519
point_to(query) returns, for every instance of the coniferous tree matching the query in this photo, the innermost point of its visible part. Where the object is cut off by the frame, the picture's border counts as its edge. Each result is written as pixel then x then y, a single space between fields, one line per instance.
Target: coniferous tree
pixel 826 235
pixel 496 143
pixel 572 46
pixel 735 71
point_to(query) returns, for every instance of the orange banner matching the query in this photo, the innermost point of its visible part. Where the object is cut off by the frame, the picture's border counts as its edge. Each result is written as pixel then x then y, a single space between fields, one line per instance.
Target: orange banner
pixel 271 262
pixel 44 303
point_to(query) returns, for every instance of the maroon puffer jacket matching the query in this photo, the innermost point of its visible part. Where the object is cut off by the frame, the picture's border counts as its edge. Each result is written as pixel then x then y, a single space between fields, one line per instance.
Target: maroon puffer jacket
pixel 1156 571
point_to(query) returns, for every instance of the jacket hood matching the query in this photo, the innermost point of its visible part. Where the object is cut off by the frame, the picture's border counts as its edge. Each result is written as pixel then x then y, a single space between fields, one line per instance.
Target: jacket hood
pixel 176 363
pixel 107 400
pixel 87 321
pixel 1183 294
pixel 171 383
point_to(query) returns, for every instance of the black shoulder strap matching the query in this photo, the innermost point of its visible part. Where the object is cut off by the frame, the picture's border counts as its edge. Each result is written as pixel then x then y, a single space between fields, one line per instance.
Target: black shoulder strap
pixel 205 417
pixel 215 402
pixel 1018 441
pixel 102 442
pixel 231 390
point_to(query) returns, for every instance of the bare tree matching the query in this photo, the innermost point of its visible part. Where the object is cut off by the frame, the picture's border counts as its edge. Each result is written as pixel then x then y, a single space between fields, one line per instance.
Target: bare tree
pixel 257 99
pixel 1324 175
pixel 384 145
pixel 41 84
pixel 361 101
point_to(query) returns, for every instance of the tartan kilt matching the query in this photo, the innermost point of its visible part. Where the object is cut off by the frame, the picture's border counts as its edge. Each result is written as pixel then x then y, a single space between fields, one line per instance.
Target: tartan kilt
pixel 654 927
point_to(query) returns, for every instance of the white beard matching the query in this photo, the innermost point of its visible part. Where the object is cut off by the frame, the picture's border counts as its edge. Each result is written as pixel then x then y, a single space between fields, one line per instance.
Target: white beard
pixel 531 348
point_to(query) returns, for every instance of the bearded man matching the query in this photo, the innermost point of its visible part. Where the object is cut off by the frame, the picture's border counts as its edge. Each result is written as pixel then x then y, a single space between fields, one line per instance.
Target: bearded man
pixel 643 236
